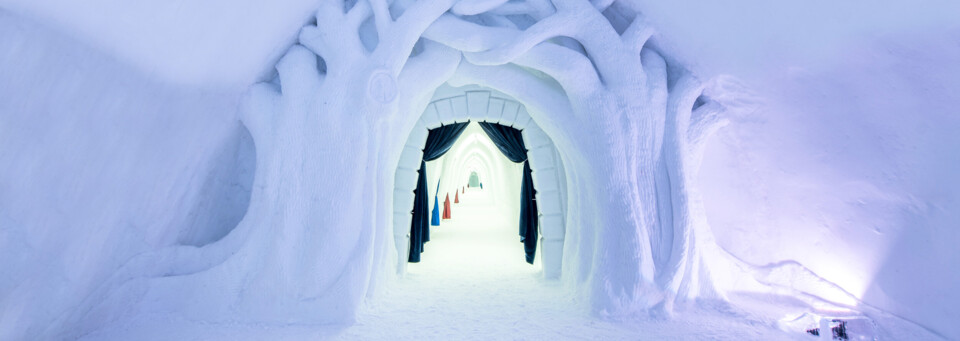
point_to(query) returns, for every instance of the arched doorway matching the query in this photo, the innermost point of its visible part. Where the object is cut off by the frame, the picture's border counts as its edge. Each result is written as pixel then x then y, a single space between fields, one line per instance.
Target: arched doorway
pixel 484 105
pixel 474 180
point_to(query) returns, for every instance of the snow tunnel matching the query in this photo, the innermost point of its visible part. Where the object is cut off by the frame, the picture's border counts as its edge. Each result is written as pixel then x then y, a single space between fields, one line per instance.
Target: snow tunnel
pixel 134 202
pixel 474 153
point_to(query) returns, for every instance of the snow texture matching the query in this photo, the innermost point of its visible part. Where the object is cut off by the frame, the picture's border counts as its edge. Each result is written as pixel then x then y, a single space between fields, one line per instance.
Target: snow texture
pixel 144 179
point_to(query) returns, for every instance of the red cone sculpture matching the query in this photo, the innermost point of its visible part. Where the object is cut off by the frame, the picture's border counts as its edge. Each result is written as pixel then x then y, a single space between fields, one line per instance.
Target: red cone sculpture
pixel 446 207
pixel 456 198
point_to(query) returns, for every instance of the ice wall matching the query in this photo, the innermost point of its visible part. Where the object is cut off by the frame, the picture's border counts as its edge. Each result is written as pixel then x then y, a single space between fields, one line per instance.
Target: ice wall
pixel 101 162
pixel 847 166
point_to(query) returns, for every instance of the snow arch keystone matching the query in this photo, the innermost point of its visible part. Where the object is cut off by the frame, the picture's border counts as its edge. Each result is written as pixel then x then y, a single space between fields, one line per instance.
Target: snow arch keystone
pixel 481 106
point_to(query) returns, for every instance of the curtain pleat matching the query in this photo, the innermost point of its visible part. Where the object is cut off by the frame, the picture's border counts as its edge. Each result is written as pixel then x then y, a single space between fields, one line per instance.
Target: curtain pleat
pixel 510 142
pixel 438 143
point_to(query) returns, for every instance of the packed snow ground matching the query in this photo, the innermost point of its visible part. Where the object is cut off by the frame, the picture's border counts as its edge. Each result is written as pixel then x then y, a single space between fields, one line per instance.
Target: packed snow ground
pixel 472 283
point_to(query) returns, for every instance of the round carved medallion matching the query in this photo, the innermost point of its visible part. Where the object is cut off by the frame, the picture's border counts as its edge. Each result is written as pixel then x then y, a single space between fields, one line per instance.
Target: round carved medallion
pixel 382 87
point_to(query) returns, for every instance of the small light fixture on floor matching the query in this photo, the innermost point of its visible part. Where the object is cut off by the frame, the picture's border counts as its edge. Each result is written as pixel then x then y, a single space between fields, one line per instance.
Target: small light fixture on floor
pixel 839 331
pixel 845 328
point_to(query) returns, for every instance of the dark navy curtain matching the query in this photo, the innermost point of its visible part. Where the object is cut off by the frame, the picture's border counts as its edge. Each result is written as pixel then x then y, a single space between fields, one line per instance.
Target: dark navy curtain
pixel 510 142
pixel 438 143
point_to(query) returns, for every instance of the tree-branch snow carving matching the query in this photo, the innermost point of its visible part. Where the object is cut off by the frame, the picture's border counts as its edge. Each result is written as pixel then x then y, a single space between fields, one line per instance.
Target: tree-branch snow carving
pixel 315 133
pixel 316 228
pixel 629 110
pixel 687 130
pixel 618 94
pixel 640 236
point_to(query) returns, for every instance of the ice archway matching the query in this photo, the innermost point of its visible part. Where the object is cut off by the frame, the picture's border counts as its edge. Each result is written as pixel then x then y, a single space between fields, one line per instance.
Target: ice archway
pixel 474 179
pixel 481 106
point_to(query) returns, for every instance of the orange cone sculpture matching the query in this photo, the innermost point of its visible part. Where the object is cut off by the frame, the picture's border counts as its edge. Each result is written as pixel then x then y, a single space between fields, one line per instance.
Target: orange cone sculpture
pixel 456 198
pixel 446 207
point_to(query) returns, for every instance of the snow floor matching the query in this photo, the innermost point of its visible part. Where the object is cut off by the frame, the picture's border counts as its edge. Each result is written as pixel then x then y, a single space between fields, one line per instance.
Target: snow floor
pixel 471 284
